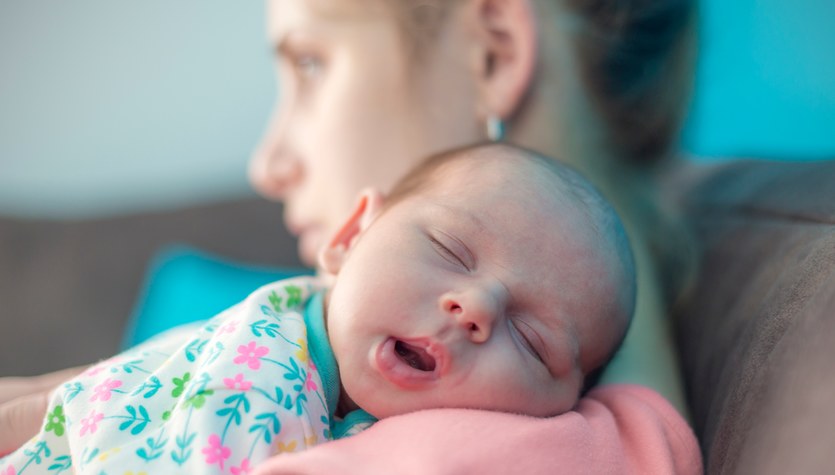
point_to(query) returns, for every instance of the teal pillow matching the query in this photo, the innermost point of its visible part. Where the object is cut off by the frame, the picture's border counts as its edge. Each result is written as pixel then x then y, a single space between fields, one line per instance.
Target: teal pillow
pixel 185 285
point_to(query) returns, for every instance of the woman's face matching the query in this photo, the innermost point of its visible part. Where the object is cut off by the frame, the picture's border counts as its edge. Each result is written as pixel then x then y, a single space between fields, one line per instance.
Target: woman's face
pixel 356 109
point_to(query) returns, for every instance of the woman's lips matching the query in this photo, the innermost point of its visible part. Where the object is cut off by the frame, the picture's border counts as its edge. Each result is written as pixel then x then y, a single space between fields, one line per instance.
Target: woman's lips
pixel 411 363
pixel 310 239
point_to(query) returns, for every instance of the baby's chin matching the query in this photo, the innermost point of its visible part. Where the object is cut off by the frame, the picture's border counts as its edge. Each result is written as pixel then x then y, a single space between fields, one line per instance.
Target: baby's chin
pixel 383 411
pixel 381 407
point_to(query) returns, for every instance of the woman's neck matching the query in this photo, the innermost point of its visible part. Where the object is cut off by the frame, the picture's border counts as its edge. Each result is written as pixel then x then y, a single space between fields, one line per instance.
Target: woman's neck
pixel 652 219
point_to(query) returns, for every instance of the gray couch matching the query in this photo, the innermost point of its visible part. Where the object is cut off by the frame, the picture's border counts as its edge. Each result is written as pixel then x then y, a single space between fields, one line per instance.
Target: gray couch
pixel 68 288
pixel 756 332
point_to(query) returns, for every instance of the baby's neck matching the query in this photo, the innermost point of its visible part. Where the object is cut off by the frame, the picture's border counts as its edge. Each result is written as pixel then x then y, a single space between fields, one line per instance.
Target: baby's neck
pixel 345 404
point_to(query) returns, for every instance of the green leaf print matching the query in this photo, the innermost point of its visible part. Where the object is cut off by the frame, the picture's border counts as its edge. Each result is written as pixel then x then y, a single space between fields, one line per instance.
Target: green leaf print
pixel 300 402
pixel 183 444
pixel 63 463
pixel 213 354
pixel 71 390
pixel 150 388
pixel 293 373
pixel 326 432
pixel 132 366
pixel 87 457
pixel 140 419
pixel 41 449
pixel 270 329
pixel 154 449
pixel 194 349
pixel 235 402
pixel 269 427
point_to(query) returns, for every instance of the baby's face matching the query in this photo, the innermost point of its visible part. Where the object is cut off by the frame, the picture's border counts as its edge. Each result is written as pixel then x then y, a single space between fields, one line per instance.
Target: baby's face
pixel 465 296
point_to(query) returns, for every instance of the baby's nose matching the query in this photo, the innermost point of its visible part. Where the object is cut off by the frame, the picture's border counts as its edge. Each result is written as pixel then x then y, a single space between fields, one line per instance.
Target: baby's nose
pixel 474 311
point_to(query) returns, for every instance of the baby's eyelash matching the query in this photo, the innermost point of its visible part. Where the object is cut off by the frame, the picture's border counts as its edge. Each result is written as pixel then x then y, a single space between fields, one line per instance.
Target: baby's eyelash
pixel 527 340
pixel 447 254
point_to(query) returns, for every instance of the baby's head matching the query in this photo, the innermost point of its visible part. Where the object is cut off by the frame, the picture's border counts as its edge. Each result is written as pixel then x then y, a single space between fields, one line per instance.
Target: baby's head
pixel 490 278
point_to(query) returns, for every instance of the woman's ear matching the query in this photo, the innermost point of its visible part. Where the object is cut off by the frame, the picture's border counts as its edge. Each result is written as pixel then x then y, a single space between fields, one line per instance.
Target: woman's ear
pixel 506 53
pixel 332 256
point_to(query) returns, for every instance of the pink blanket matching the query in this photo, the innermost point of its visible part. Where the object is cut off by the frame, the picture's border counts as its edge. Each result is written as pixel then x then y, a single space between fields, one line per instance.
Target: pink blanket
pixel 618 429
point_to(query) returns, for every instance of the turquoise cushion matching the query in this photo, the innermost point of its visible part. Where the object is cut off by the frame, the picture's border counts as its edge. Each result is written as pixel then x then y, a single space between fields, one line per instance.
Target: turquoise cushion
pixel 185 285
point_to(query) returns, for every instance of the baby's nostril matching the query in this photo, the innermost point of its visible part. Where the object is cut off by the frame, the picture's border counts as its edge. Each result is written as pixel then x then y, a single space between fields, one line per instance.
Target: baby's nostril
pixel 473 327
pixel 455 308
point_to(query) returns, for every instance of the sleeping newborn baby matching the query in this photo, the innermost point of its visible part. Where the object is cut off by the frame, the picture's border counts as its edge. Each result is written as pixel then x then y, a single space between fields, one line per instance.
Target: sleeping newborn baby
pixel 489 278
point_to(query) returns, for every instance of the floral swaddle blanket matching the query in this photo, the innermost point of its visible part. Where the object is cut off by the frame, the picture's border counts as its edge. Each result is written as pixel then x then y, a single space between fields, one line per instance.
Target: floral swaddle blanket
pixel 215 399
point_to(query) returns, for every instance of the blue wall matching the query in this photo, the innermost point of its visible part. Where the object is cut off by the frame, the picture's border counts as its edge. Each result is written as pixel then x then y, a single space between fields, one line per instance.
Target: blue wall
pixel 765 85
pixel 109 106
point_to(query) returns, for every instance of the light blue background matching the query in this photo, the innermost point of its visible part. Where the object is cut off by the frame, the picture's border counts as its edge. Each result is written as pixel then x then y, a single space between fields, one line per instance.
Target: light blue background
pixel 114 106
pixel 111 106
pixel 765 85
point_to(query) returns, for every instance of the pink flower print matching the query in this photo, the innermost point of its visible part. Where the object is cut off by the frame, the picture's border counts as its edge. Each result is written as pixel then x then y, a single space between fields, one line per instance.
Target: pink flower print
pixel 309 384
pixel 95 370
pixel 102 391
pixel 229 327
pixel 90 423
pixel 244 469
pixel 251 355
pixel 216 452
pixel 312 366
pixel 10 470
pixel 237 383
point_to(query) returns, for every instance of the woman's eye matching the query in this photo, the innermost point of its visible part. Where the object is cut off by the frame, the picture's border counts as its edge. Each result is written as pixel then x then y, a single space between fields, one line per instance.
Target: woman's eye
pixel 308 66
pixel 447 254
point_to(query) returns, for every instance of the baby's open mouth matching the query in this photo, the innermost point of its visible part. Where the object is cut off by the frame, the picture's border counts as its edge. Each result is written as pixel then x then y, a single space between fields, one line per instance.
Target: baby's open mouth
pixel 414 356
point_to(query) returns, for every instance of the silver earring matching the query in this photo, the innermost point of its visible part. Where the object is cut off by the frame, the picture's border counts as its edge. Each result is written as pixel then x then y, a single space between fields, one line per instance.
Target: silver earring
pixel 495 128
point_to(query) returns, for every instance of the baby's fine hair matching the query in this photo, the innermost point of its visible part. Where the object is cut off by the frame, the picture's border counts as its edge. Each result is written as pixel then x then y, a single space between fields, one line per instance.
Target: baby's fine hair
pixel 601 217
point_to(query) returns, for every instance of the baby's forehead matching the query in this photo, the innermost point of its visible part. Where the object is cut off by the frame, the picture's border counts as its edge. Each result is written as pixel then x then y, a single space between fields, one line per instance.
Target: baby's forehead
pixel 509 177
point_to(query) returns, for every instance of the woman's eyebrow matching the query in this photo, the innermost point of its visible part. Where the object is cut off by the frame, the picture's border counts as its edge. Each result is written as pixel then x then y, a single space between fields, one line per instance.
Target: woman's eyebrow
pixel 282 45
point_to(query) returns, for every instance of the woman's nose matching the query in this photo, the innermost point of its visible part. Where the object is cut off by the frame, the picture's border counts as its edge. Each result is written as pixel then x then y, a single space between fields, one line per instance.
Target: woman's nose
pixel 274 171
pixel 475 311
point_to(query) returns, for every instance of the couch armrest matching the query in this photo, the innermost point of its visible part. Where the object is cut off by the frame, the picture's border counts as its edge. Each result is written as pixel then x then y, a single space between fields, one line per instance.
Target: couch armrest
pixel 757 330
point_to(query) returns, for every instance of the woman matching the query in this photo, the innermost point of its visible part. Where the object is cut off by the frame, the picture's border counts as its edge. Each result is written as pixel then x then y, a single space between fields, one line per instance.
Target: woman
pixel 368 87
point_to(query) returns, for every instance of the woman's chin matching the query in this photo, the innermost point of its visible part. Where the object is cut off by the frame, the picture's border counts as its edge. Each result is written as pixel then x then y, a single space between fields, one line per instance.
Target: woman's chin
pixel 309 244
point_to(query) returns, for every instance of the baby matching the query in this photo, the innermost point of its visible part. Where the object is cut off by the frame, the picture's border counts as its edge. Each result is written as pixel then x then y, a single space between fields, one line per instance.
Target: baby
pixel 490 278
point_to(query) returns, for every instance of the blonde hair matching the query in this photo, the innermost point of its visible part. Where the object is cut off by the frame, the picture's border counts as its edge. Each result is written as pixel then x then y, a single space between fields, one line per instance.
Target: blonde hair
pixel 635 56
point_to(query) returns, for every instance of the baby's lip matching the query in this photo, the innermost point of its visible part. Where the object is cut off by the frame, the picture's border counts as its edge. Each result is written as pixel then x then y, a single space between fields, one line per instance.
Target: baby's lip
pixel 411 363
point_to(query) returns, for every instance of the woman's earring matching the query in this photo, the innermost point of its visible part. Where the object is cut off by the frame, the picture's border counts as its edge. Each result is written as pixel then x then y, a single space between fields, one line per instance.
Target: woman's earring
pixel 495 128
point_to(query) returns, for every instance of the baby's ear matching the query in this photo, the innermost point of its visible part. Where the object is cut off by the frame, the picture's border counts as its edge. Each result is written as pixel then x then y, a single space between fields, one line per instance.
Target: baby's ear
pixel 332 256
